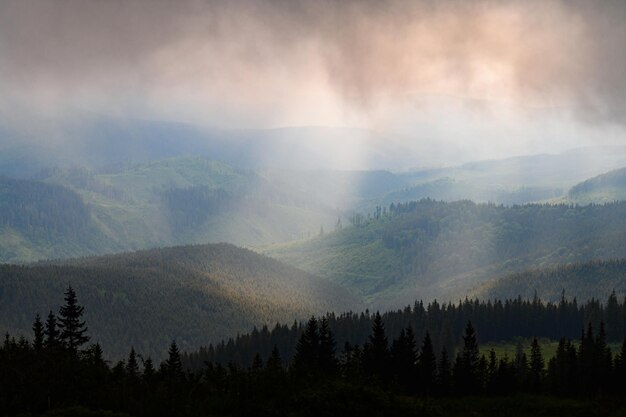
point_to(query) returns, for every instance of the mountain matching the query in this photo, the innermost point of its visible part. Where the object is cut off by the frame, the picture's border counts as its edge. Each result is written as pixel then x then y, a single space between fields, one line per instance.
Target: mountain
pixel 96 141
pixel 600 189
pixel 168 202
pixel 39 220
pixel 595 279
pixel 194 294
pixel 429 249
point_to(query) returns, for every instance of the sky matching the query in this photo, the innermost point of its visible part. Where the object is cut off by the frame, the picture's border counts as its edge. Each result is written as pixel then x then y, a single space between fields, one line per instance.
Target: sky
pixel 462 79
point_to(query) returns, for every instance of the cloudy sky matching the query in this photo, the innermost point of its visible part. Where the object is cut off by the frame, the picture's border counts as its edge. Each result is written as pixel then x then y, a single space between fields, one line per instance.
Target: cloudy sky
pixel 497 77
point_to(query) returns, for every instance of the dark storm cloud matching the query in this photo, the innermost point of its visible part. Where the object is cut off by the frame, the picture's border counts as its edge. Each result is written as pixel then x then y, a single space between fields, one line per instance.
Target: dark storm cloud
pixel 539 52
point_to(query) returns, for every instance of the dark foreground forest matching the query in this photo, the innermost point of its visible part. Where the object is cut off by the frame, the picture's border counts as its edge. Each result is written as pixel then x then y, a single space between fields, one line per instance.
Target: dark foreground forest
pixel 58 372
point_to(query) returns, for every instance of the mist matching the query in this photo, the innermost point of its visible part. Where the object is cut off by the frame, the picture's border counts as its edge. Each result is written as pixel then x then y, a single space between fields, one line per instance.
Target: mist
pixel 456 80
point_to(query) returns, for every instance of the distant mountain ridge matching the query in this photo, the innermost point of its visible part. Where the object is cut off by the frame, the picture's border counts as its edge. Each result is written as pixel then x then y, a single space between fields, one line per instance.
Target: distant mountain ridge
pixel 607 187
pixel 194 294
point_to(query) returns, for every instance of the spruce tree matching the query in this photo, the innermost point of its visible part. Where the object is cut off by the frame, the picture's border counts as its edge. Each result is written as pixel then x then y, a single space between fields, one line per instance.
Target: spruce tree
pixel 38 333
pixel 536 369
pixel 173 365
pixel 427 365
pixel 274 362
pixel 51 332
pixel 72 328
pixel 305 361
pixel 466 372
pixel 132 366
pixel 444 373
pixel 403 359
pixel 326 354
pixel 376 351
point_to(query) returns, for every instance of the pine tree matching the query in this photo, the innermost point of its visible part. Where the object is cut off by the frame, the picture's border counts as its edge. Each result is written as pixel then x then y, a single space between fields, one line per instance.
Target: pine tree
pixel 444 373
pixel 257 363
pixel 305 361
pixel 132 366
pixel 521 366
pixel 326 354
pixel 72 329
pixel 148 370
pixel 403 359
pixel 536 369
pixel 376 351
pixel 38 333
pixel 427 365
pixel 173 364
pixel 466 372
pixel 96 356
pixel 51 332
pixel 274 362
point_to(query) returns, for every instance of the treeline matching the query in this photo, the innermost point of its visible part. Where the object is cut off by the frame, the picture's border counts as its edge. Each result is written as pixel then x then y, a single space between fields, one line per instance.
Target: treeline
pixel 497 320
pixel 59 369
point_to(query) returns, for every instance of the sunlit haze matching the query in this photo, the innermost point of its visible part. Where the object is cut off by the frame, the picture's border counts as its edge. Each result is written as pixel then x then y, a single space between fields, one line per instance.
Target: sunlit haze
pixel 466 80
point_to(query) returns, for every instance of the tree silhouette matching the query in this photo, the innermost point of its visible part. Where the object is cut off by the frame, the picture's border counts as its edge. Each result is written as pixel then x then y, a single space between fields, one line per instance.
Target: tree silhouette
pixel 72 328
pixel 466 376
pixel 376 351
pixel 51 332
pixel 173 364
pixel 536 369
pixel 427 365
pixel 38 333
pixel 326 354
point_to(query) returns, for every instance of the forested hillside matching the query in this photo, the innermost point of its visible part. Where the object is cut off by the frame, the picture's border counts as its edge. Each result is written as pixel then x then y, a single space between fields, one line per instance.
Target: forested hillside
pixel 194 294
pixel 164 203
pixel 583 280
pixel 61 371
pixel 431 249
pixel 39 220
pixel 603 188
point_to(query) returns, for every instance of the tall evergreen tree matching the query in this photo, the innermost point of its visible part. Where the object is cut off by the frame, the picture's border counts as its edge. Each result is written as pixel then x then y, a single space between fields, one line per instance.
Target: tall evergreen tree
pixel 403 358
pixel 536 368
pixel 466 366
pixel 306 359
pixel 51 331
pixel 173 364
pixel 444 373
pixel 326 355
pixel 427 365
pixel 376 351
pixel 132 366
pixel 38 333
pixel 72 328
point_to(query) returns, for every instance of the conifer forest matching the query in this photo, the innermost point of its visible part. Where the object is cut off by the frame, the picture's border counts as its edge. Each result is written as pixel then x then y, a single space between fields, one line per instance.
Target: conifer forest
pixel 311 208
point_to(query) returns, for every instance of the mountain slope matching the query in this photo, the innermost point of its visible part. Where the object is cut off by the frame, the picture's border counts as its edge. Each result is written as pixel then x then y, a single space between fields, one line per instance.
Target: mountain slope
pixel 600 189
pixel 195 294
pixel 433 249
pixel 39 220
pixel 596 279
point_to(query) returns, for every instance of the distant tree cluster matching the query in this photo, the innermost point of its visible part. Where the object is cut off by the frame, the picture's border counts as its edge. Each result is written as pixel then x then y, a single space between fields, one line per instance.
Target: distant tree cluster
pixel 498 321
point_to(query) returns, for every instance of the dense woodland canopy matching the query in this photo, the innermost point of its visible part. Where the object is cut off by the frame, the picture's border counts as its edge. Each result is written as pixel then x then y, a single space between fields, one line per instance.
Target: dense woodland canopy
pixel 57 368
pixel 431 249
pixel 497 321
pixel 196 294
